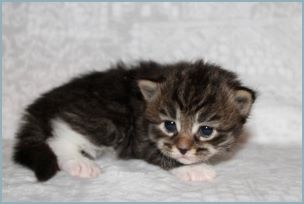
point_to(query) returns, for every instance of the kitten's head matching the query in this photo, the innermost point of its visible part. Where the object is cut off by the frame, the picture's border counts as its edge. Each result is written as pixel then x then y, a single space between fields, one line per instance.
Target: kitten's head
pixel 196 112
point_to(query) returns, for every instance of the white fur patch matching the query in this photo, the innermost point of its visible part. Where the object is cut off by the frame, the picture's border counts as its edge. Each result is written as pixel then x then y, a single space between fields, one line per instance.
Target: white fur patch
pixel 178 119
pixel 67 145
pixel 197 172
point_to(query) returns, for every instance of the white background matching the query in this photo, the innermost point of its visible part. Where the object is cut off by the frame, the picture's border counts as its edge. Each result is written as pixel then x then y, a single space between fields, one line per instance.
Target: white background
pixel 45 44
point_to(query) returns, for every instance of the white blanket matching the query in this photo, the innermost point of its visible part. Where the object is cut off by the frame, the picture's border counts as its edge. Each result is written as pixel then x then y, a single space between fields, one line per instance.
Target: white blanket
pixel 256 173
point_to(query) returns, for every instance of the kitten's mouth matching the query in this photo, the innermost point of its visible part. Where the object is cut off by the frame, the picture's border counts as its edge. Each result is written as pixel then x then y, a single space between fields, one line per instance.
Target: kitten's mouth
pixel 184 159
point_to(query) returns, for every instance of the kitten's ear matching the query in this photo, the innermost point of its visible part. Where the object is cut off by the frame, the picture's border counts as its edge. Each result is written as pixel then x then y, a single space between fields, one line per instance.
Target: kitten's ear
pixel 149 89
pixel 244 98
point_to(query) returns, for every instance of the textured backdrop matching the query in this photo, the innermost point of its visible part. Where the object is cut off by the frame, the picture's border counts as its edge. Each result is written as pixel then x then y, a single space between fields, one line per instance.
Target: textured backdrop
pixel 45 44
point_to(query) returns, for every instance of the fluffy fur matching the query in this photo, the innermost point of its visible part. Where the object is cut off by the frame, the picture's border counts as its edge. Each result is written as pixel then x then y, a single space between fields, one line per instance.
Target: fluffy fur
pixel 126 108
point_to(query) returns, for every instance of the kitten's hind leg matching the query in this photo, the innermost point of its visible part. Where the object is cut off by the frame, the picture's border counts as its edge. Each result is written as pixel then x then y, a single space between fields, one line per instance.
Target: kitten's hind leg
pixel 68 146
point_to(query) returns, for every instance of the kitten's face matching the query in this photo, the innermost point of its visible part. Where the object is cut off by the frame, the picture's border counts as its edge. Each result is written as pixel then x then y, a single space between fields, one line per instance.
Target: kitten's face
pixel 188 139
pixel 195 115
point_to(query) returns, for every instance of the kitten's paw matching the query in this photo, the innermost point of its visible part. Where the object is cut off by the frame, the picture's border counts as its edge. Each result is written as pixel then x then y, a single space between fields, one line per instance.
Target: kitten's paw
pixel 198 172
pixel 83 168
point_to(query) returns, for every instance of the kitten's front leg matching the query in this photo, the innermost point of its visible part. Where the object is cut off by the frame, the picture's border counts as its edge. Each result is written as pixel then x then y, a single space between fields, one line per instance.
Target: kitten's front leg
pixel 195 172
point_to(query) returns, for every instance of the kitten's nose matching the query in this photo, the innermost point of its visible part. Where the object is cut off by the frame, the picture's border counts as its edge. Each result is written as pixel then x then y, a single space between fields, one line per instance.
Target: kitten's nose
pixel 183 151
pixel 184 144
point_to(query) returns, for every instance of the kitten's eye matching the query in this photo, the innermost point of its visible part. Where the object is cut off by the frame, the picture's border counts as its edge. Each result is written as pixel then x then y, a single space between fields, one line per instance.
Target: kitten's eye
pixel 205 131
pixel 170 126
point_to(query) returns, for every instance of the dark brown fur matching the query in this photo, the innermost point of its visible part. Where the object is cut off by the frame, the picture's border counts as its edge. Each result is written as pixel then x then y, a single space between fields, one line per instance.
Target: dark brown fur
pixel 112 109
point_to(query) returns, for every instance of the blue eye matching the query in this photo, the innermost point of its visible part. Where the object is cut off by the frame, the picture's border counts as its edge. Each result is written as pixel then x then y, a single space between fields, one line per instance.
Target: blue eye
pixel 205 131
pixel 170 126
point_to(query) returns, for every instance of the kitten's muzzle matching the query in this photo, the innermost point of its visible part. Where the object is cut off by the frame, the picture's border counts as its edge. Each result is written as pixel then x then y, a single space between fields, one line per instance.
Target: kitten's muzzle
pixel 184 144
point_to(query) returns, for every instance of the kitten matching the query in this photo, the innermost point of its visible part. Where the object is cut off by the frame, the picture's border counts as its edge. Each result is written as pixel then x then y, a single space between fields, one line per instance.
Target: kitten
pixel 176 116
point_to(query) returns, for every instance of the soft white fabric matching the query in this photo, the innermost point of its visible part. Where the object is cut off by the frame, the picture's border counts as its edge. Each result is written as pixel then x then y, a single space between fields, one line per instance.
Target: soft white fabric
pixel 256 173
pixel 45 44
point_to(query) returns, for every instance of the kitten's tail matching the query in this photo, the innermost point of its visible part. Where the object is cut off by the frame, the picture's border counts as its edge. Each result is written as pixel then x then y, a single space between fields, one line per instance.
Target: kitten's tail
pixel 32 152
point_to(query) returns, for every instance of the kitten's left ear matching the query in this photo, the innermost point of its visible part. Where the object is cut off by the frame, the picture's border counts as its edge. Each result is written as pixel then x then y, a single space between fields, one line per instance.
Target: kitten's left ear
pixel 149 89
pixel 244 98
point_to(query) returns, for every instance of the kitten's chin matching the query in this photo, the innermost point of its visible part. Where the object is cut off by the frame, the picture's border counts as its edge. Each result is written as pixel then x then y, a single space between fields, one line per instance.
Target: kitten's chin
pixel 186 161
pixel 189 160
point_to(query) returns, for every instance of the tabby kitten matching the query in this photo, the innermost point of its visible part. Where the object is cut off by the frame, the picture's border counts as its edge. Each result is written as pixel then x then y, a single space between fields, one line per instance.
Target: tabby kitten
pixel 175 116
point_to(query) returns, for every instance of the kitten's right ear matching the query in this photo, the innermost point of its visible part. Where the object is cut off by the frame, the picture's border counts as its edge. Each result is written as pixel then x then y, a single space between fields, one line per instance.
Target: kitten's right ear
pixel 149 89
pixel 244 98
